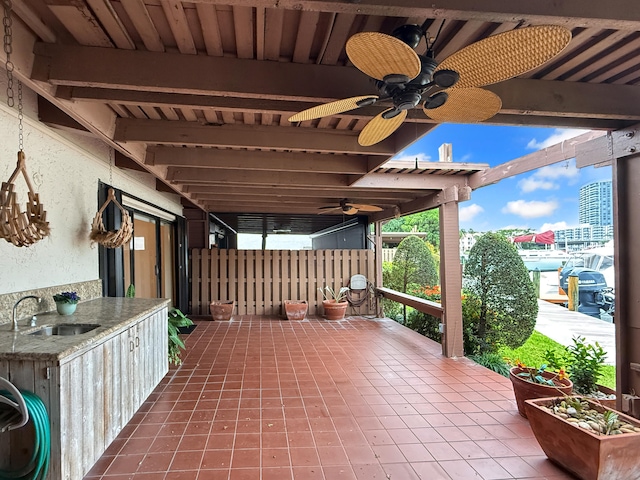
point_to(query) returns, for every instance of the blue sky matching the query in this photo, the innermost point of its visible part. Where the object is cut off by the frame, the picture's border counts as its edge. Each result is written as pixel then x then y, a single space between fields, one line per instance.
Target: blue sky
pixel 542 199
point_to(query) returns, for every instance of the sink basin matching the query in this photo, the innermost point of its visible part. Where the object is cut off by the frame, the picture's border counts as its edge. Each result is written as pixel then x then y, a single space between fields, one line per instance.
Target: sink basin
pixel 66 329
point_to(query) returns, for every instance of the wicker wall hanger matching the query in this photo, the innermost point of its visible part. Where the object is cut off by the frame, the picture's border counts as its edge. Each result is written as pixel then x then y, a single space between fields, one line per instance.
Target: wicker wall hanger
pixel 112 238
pixel 21 228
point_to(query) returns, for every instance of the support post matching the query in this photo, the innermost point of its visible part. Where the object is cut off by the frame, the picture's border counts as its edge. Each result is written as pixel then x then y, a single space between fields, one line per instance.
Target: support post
pixel 574 297
pixel 536 281
pixel 451 280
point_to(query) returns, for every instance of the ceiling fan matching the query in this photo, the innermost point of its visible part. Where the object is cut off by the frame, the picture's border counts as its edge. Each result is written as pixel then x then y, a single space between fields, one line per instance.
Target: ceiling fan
pixel 449 90
pixel 348 208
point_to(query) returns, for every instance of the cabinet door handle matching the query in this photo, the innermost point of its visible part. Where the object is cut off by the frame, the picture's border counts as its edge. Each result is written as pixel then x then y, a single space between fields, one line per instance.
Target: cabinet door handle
pixel 131 346
pixel 137 341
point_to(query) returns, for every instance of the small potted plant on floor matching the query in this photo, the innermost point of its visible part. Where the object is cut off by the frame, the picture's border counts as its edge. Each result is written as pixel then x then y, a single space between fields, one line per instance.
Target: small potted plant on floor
pixel 222 309
pixel 295 309
pixel 531 383
pixel 584 363
pixel 586 438
pixel 66 302
pixel 334 303
pixel 176 320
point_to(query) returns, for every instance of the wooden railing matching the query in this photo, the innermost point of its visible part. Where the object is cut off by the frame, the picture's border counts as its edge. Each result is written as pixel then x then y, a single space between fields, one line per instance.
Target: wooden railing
pixel 260 280
pixel 420 304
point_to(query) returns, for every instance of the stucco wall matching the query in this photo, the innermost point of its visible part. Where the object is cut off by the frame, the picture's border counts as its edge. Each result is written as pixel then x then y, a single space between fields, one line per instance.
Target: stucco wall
pixel 65 170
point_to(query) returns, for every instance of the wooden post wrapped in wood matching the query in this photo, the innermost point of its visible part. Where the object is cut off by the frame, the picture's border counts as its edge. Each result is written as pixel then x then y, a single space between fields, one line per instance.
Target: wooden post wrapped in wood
pixel 574 298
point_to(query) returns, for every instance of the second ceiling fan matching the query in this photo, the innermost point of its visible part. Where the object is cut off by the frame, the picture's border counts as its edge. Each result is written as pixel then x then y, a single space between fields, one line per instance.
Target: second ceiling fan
pixel 449 91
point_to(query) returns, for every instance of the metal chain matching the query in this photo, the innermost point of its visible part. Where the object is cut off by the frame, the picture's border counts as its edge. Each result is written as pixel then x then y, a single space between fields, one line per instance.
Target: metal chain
pixel 7 23
pixel 110 167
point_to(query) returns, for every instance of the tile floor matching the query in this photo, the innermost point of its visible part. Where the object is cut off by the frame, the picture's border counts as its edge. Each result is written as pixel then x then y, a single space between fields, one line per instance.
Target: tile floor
pixel 264 399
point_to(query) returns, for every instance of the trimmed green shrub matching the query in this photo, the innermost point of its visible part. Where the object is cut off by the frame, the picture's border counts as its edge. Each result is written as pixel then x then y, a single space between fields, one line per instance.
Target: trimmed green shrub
pixel 496 277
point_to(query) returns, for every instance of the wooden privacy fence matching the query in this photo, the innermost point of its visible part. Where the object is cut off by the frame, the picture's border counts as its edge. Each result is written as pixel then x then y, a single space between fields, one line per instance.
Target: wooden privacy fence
pixel 261 280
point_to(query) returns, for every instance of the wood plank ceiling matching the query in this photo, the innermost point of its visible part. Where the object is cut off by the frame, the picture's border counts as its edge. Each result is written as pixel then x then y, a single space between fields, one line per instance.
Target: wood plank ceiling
pixel 198 93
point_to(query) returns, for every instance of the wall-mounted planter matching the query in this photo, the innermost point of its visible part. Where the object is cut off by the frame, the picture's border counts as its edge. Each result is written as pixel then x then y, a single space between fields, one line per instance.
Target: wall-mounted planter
pixel 296 309
pixel 334 310
pixel 221 310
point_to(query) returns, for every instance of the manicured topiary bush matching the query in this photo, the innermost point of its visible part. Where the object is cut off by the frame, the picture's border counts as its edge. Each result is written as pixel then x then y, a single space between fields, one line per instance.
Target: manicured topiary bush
pixel 496 278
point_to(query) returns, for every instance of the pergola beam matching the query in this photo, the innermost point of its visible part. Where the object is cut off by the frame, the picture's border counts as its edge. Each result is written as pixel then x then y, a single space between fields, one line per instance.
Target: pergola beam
pixel 247 177
pixel 399 181
pixel 257 160
pixel 357 196
pixel 181 133
pixel 615 14
pixel 230 84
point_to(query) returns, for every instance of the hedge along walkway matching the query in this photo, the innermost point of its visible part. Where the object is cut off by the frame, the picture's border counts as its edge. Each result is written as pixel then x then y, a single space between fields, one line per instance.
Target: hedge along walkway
pixel 561 325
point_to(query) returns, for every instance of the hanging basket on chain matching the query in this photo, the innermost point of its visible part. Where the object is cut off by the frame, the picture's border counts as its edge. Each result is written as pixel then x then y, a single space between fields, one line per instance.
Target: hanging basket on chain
pixel 111 238
pixel 21 228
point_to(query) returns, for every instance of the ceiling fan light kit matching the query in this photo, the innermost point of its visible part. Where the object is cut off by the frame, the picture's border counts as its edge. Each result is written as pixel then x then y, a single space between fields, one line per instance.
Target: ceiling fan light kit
pixel 449 90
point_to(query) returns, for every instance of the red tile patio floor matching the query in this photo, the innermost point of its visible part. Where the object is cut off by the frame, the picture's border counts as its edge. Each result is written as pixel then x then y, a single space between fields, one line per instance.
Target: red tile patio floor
pixel 264 399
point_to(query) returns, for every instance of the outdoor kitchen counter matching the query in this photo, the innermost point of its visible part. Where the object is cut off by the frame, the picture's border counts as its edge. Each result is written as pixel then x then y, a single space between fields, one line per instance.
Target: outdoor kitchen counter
pixel 113 314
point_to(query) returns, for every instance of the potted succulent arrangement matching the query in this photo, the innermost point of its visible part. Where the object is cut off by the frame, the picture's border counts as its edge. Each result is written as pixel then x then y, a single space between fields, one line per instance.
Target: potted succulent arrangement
pixel 334 303
pixel 66 302
pixel 584 363
pixel 586 438
pixel 529 383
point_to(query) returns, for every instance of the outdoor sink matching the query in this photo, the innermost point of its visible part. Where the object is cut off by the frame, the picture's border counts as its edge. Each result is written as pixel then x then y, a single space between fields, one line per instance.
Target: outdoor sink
pixel 66 329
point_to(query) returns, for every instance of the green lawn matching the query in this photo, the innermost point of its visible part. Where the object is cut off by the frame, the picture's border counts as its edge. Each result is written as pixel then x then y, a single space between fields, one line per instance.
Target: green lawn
pixel 532 354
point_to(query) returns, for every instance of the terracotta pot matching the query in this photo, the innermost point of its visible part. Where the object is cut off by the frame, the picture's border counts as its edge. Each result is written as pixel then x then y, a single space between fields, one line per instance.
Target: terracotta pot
pixel 296 309
pixel 583 453
pixel 221 310
pixel 333 310
pixel 606 403
pixel 525 390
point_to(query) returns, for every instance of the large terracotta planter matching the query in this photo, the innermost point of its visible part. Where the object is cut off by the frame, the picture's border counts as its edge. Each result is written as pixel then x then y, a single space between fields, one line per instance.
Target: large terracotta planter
pixel 583 453
pixel 295 309
pixel 525 390
pixel 221 310
pixel 333 310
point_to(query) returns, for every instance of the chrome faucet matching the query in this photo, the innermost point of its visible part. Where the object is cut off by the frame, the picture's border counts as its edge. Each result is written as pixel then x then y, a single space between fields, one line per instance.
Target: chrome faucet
pixel 15 310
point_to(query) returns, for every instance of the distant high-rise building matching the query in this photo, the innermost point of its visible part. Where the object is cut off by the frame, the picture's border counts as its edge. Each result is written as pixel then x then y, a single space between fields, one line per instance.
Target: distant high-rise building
pixel 596 204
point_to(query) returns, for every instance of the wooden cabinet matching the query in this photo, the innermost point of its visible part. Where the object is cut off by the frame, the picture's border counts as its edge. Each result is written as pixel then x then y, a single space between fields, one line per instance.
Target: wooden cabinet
pixel 90 396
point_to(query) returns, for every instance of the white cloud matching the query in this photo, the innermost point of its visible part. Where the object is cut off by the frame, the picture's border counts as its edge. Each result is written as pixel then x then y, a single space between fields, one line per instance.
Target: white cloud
pixel 531 184
pixel 542 178
pixel 533 209
pixel 468 213
pixel 558 135
pixel 553 226
pixel 421 157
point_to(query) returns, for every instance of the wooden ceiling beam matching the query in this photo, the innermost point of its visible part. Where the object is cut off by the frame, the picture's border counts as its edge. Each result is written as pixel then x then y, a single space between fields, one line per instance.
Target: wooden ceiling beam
pixel 248 177
pixel 195 74
pixel 246 136
pixel 615 14
pixel 370 195
pixel 256 160
pixel 216 208
pixel 400 181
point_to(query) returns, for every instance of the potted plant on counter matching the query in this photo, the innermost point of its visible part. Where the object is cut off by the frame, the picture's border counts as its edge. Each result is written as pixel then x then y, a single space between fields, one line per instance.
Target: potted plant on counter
pixel 334 303
pixel 529 383
pixel 66 302
pixel 585 438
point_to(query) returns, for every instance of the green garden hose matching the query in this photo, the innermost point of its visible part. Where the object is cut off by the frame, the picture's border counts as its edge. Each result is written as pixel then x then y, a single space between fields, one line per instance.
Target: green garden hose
pixel 38 465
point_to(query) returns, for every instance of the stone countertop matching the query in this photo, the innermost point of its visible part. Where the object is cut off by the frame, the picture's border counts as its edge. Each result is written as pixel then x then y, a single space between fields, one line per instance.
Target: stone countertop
pixel 111 313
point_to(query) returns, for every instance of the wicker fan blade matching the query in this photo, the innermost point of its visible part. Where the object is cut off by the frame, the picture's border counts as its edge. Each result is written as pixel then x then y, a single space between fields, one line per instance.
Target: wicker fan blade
pixel 364 207
pixel 466 105
pixel 333 108
pixel 506 55
pixel 350 211
pixel 379 55
pixel 380 128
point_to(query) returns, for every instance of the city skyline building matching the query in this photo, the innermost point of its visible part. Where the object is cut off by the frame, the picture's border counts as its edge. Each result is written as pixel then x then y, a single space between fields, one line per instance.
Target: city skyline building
pixel 596 204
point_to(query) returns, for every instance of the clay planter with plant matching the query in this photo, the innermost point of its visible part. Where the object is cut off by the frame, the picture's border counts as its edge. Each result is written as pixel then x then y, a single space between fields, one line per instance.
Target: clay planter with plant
pixel 529 383
pixel 584 363
pixel 585 438
pixel 334 303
